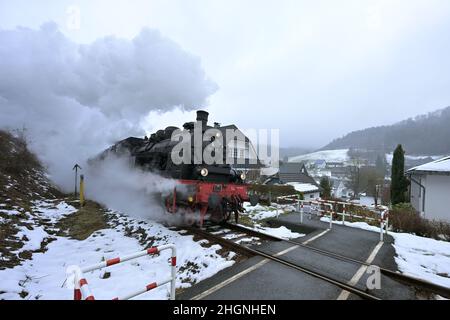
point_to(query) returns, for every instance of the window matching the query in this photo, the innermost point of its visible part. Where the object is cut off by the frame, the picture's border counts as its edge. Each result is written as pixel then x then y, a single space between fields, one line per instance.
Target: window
pixel 241 153
pixel 311 196
pixel 235 152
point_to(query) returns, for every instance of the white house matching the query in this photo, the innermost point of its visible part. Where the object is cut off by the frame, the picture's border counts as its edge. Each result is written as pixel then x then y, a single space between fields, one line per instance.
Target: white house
pixel 430 189
pixel 310 191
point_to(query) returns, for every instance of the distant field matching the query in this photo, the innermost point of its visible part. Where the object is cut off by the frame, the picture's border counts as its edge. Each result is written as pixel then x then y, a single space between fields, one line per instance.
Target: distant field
pixel 339 155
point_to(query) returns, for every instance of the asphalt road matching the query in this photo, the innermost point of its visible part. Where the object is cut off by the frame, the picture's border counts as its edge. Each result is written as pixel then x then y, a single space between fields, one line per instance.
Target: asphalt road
pixel 256 279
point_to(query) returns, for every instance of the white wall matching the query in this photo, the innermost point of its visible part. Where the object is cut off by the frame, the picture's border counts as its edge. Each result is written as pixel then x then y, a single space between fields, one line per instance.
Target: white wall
pixel 437 197
pixel 315 195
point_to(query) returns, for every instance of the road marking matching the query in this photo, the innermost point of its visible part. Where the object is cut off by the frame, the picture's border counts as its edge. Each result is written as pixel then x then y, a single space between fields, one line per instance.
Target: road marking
pixel 239 275
pixel 354 280
pixel 315 237
pixel 256 266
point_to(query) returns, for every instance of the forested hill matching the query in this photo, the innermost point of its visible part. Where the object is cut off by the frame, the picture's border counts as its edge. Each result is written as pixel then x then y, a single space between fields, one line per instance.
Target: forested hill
pixel 423 135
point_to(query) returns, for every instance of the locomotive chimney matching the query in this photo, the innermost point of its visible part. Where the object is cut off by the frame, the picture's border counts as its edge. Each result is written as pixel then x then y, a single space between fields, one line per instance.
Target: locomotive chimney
pixel 203 117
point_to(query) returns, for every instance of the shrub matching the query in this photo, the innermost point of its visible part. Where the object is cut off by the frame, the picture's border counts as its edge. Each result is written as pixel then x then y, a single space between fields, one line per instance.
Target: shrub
pixel 15 158
pixel 404 218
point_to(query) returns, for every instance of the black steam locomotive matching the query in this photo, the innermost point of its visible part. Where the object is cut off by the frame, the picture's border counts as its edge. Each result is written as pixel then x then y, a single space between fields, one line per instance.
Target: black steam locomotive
pixel 204 191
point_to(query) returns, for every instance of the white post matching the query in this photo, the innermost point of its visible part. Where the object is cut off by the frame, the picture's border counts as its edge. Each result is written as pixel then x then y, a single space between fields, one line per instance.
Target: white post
pixel 381 229
pixel 343 214
pixel 301 213
pixel 173 281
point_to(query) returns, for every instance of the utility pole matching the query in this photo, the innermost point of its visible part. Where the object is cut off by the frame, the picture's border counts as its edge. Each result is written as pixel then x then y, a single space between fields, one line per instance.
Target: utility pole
pixel 76 167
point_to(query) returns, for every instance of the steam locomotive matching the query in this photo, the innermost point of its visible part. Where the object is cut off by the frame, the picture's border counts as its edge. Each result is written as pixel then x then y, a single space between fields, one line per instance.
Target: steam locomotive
pixel 204 191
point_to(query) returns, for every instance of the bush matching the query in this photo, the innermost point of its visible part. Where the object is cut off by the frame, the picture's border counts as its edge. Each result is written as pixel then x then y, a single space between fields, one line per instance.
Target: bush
pixel 274 190
pixel 15 158
pixel 404 218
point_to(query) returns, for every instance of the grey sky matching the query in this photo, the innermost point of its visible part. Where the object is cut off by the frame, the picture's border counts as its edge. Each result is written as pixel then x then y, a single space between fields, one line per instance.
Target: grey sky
pixel 314 69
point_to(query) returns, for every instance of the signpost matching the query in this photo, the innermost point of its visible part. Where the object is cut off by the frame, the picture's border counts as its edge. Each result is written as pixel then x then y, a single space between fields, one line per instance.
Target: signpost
pixel 76 167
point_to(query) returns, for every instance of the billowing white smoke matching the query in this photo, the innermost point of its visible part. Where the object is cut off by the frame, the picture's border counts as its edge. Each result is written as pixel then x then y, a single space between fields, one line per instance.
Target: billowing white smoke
pixel 122 187
pixel 75 100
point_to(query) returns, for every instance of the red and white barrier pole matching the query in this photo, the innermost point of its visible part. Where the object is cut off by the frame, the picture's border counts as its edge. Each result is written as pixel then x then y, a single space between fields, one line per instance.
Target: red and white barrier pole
pixel 81 288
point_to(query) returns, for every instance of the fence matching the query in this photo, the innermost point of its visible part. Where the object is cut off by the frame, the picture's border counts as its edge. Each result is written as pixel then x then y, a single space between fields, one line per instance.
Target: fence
pixel 327 207
pixel 82 290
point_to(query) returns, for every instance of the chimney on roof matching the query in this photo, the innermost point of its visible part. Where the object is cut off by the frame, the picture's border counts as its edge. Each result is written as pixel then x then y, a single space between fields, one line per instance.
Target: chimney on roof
pixel 203 117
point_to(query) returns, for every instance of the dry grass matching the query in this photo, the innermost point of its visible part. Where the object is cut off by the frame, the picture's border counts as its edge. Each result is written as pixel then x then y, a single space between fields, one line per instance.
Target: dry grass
pixel 81 224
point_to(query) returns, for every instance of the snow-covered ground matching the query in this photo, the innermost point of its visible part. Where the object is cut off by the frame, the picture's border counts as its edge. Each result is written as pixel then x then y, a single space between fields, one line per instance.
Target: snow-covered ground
pixel 339 155
pixel 44 275
pixel 420 257
pixel 260 212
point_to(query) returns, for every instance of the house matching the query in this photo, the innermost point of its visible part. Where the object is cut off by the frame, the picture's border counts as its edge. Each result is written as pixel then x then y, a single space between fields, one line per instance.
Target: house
pixel 241 152
pixel 296 175
pixel 334 164
pixel 430 189
pixel 320 164
pixel 340 189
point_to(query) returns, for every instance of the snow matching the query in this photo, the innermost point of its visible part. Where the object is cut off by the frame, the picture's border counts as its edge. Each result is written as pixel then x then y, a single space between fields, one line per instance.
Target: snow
pixel 269 171
pixel 260 212
pixel 281 232
pixel 423 258
pixel 420 257
pixel 339 155
pixel 43 276
pixel 34 236
pixel 10 212
pixel 303 187
pixel 48 210
pixel 441 165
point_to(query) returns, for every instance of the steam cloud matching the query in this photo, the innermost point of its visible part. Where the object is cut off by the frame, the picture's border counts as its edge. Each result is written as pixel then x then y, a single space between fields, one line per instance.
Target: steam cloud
pixel 75 100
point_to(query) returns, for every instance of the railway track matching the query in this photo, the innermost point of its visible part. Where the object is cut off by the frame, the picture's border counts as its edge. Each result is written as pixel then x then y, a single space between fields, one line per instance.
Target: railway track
pixel 224 239
pixel 239 238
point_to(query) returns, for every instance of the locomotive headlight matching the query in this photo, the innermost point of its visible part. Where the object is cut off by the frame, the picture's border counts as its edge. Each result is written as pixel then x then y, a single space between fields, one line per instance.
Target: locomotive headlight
pixel 204 172
pixel 243 176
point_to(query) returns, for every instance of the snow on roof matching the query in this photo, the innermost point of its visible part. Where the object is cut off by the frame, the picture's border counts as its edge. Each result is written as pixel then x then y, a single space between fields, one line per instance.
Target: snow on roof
pixel 303 187
pixel 441 165
pixel 269 171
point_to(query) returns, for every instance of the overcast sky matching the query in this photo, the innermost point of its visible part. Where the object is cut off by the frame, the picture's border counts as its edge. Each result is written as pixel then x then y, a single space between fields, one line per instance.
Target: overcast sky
pixel 313 69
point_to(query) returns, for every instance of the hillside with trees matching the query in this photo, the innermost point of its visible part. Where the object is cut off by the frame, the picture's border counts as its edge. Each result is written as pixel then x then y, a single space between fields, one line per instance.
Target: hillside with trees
pixel 423 135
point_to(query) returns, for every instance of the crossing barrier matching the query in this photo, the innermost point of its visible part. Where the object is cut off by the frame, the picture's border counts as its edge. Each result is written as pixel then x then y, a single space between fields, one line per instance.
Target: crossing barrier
pixel 82 290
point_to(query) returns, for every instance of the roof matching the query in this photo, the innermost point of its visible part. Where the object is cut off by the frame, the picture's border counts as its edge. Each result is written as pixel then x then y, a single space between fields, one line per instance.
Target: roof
pixel 304 187
pixel 292 167
pixel 441 166
pixel 295 172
